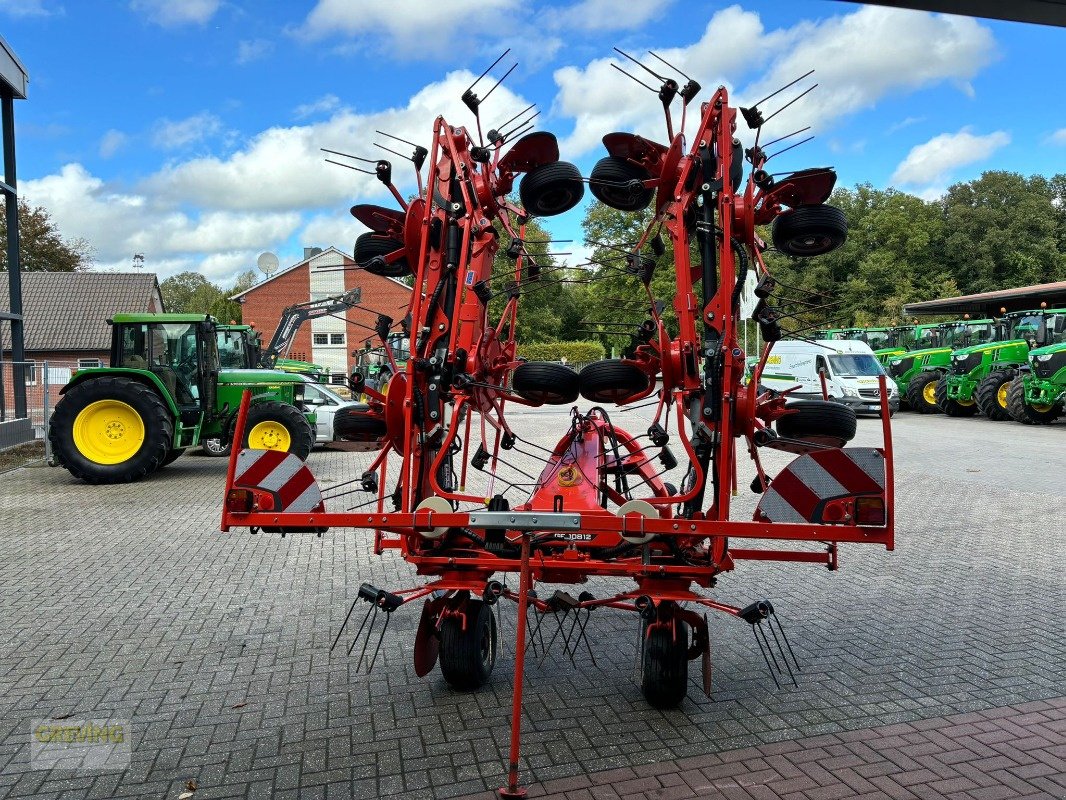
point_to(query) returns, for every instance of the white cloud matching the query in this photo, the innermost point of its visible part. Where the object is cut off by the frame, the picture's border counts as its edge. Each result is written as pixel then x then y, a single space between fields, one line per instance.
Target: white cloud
pixel 904 123
pixel 25 8
pixel 249 50
pixel 322 105
pixel 1058 137
pixel 610 15
pixel 171 135
pixel 931 163
pixel 173 13
pixel 111 142
pixel 338 229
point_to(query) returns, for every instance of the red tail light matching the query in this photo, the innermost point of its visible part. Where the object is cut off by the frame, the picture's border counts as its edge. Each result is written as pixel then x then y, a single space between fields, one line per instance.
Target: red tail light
pixel 870 511
pixel 239 501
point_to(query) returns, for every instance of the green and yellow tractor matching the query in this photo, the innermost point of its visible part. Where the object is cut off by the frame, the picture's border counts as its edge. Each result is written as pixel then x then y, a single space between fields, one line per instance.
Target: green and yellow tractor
pixel 1038 394
pixel 916 372
pixel 980 375
pixel 374 365
pixel 166 390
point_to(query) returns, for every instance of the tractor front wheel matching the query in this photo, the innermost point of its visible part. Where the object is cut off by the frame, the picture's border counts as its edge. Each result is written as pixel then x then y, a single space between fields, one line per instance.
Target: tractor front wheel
pixel 111 430
pixel 991 394
pixel 278 426
pixel 1023 412
pixel 921 393
pixel 664 671
pixel 468 651
pixel 953 408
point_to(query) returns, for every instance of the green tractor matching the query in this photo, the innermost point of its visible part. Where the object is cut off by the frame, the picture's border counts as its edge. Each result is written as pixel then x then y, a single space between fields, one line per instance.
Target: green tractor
pixel 165 391
pixel 916 372
pixel 889 342
pixel 241 347
pixel 373 363
pixel 980 375
pixel 1038 394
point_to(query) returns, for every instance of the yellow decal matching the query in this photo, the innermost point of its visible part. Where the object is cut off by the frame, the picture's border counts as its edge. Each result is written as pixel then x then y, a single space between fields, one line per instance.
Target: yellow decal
pixel 773 360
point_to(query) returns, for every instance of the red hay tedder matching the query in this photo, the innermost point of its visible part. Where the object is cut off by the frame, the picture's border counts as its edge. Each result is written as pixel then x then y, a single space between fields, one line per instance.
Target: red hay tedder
pixel 599 506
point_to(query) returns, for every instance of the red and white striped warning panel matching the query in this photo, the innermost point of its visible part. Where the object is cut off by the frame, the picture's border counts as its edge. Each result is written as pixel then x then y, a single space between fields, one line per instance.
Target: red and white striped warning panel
pixel 282 474
pixel 801 491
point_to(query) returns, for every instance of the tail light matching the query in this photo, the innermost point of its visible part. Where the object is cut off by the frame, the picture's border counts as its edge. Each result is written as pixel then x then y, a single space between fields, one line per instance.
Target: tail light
pixel 240 501
pixel 870 511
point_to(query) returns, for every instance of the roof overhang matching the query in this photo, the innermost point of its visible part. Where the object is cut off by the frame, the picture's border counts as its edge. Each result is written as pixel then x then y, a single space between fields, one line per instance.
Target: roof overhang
pixel 1040 12
pixel 989 304
pixel 14 79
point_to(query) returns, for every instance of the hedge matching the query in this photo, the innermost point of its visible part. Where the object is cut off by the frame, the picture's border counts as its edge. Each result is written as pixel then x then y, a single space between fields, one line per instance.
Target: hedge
pixel 573 352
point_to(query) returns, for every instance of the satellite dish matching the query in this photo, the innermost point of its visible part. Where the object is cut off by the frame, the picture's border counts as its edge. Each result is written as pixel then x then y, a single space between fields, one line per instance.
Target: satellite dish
pixel 268 263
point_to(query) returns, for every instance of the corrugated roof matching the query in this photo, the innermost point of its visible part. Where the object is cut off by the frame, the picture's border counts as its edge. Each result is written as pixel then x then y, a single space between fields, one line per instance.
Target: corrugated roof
pixel 1022 298
pixel 69 310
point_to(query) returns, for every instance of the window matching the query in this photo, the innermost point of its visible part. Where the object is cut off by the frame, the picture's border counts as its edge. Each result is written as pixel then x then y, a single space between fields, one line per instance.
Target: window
pixel 30 371
pixel 336 338
pixel 321 338
pixel 338 379
pixel 88 363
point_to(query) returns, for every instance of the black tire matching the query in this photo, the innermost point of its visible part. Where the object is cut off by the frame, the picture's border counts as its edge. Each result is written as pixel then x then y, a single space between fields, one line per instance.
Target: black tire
pixel 155 417
pixel 551 189
pixel 611 381
pixel 356 424
pixel 664 673
pixel 215 448
pixel 172 456
pixel 618 183
pixel 819 422
pixel 371 245
pixel 810 231
pixel 301 437
pixel 953 408
pixel 1024 413
pixel 991 394
pixel 468 656
pixel 544 382
pixel 921 393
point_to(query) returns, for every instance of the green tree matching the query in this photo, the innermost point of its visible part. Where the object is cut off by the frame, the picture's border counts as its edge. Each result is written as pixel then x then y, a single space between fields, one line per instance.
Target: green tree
pixel 41 246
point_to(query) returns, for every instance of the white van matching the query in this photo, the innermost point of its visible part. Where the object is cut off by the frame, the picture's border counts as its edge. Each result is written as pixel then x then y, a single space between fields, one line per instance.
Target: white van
pixel 851 373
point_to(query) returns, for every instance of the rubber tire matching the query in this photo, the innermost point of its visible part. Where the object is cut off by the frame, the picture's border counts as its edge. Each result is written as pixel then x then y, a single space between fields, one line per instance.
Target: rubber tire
pixel 1024 413
pixel 820 422
pixel 303 438
pixel 810 231
pixel 611 381
pixel 370 245
pixel 221 452
pixel 357 425
pixel 551 189
pixel 467 657
pixel 664 671
pixel 987 394
pixel 916 396
pixel 952 408
pixel 544 382
pixel 604 183
pixel 172 456
pixel 156 417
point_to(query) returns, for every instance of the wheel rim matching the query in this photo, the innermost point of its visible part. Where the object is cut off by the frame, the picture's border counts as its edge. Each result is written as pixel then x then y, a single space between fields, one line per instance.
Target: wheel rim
pixel 811 244
pixel 1001 395
pixel 269 435
pixel 929 393
pixel 213 445
pixel 108 432
pixel 962 402
pixel 1041 407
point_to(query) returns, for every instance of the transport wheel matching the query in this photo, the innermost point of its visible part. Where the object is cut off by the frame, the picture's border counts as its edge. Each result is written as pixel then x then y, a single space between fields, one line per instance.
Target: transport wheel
pixel 921 393
pixel 664 672
pixel 468 656
pixel 953 408
pixel 111 430
pixel 614 182
pixel 544 382
pixel 215 448
pixel 818 421
pixel 278 426
pixel 991 394
pixel 370 245
pixel 611 381
pixel 551 189
pixel 173 456
pixel 356 424
pixel 1023 412
pixel 810 230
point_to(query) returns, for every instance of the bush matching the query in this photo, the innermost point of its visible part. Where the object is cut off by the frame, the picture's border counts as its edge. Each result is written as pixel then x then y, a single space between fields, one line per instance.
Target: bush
pixel 575 353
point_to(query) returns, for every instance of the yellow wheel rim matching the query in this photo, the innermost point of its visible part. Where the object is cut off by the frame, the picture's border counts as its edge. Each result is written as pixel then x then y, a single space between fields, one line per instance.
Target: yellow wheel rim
pixel 269 435
pixel 108 432
pixel 929 393
pixel 1001 395
pixel 1043 408
pixel 962 402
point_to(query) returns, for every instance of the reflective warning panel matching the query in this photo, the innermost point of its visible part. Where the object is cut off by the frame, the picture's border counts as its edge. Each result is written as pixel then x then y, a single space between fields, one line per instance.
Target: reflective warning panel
pixel 807 490
pixel 284 475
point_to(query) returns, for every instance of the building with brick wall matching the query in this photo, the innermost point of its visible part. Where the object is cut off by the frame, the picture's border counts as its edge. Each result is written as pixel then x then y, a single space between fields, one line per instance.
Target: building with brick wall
pixel 327 341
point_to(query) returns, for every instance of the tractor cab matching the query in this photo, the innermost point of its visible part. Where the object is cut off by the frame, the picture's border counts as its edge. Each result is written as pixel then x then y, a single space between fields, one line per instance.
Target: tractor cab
pixel 963 333
pixel 238 346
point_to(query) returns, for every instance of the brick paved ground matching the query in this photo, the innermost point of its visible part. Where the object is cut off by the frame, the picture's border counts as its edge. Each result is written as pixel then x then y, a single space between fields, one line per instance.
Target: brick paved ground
pixel 126 602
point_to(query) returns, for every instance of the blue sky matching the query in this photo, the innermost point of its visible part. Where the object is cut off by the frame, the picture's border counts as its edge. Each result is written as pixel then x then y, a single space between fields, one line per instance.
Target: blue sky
pixel 188 130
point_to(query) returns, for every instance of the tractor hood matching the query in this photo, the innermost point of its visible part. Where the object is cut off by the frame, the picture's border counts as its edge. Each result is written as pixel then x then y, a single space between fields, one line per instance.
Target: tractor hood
pixel 987 346
pixel 1047 350
pixel 258 376
pixel 921 353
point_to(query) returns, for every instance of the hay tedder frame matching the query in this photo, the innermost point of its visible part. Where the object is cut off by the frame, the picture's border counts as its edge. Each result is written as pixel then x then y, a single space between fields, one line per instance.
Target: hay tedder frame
pixel 600 506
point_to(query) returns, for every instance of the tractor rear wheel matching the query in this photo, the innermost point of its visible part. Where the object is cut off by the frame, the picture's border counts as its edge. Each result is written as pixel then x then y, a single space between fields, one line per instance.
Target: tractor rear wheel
pixel 921 393
pixel 111 430
pixel 278 426
pixel 991 394
pixel 1023 412
pixel 545 382
pixel 953 408
pixel 664 671
pixel 468 655
pixel 818 421
pixel 173 456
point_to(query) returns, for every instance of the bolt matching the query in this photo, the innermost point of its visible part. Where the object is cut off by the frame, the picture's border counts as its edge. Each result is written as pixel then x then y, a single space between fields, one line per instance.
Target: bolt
pixel 534 520
pixel 706 412
pixel 676 526
pixel 705 188
pixel 512 520
pixel 433 415
pixel 433 387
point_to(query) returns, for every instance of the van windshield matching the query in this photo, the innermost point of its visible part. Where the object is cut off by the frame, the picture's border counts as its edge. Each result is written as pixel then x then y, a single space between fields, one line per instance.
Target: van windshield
pixel 850 365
